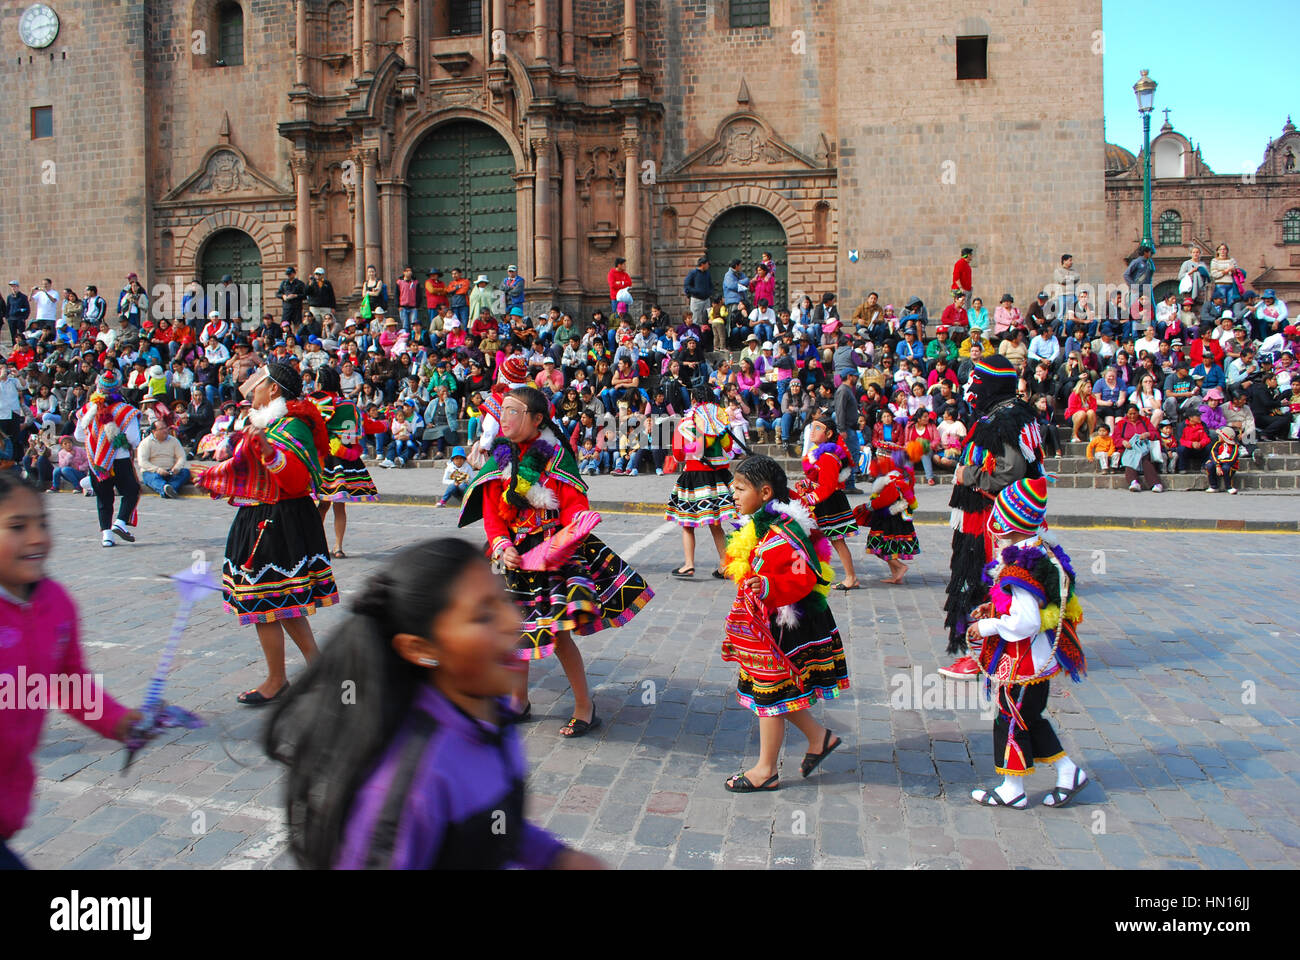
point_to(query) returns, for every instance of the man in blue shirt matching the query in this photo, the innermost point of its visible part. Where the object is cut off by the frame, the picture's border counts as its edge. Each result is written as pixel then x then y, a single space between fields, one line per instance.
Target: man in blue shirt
pixel 699 288
pixel 1044 346
pixel 910 348
pixel 1207 378
pixel 1139 272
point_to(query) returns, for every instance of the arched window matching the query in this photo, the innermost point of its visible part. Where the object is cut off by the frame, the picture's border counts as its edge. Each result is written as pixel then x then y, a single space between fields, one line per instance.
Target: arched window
pixel 1171 229
pixel 1291 226
pixel 230 35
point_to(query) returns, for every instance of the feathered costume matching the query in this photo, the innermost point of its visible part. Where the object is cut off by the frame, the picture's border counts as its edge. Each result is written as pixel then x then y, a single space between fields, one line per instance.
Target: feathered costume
pixel 784 638
pixel 1003 446
pixel 277 564
pixel 826 469
pixel 344 478
pixel 523 507
pixel 703 444
pixel 1031 635
pixel 888 514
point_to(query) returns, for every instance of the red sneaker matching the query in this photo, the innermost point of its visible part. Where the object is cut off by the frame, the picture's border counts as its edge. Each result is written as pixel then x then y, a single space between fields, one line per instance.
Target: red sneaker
pixel 963 668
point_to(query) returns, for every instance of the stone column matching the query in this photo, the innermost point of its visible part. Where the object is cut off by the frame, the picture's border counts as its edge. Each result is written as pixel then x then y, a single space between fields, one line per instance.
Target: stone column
pixel 540 51
pixel 368 35
pixel 300 43
pixel 302 175
pixel 543 242
pixel 358 232
pixel 569 217
pixel 525 210
pixel 629 34
pixel 358 14
pixel 371 193
pixel 566 33
pixel 410 28
pixel 632 206
pixel 499 23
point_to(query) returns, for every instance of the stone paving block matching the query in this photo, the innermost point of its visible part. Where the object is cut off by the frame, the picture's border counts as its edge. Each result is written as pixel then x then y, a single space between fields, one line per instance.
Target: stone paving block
pixel 840 840
pixel 657 831
pixel 792 853
pixel 212 847
pixel 135 831
pixel 570 826
pixel 698 851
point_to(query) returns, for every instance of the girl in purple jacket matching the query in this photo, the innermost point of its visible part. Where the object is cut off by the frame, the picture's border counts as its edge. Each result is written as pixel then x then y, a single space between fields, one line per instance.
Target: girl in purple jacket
pixel 401 747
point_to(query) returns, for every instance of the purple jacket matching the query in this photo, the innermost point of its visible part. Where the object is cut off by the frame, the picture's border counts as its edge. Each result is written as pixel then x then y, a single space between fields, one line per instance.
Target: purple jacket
pixel 448 794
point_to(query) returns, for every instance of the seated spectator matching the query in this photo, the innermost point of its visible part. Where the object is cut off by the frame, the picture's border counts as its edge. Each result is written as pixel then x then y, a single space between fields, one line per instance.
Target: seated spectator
pixel 1135 438
pixel 1193 444
pixel 1081 410
pixel 1043 415
pixel 1111 397
pixel 217 443
pixel 402 446
pixel 1102 449
pixel 1222 463
pixel 952 437
pixel 36 465
pixel 71 466
pixel 162 461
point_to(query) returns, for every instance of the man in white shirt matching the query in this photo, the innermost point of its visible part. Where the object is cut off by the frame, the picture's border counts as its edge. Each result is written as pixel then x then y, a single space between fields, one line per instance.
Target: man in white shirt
pixel 1270 315
pixel 1166 311
pixel 1044 346
pixel 1148 342
pixel 45 303
pixel 162 462
pixel 216 352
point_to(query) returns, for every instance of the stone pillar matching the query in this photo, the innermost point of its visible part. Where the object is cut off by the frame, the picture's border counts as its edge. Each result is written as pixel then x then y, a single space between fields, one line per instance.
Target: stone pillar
pixel 371 193
pixel 499 51
pixel 540 52
pixel 629 34
pixel 359 229
pixel 569 281
pixel 543 240
pixel 632 206
pixel 358 14
pixel 368 35
pixel 525 210
pixel 566 33
pixel 302 175
pixel 300 44
pixel 410 27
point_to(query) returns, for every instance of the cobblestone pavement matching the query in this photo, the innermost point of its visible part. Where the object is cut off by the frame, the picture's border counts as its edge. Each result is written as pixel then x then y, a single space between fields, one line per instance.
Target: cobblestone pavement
pixel 1187 723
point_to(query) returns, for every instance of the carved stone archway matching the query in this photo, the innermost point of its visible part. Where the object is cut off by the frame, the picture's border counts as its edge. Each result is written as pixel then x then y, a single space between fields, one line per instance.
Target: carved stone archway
pixel 796 231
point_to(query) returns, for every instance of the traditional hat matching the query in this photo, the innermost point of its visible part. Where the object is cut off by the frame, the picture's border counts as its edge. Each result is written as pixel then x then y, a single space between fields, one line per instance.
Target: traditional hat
pixel 514 370
pixel 1227 433
pixel 109 380
pixel 1020 508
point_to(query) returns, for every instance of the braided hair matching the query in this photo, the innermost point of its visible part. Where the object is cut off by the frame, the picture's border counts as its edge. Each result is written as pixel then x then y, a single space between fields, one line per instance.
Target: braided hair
pixel 760 469
pixel 327 379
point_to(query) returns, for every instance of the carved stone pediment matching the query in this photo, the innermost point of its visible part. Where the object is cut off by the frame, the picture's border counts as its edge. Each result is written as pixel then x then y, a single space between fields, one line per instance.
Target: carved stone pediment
pixel 745 142
pixel 225 173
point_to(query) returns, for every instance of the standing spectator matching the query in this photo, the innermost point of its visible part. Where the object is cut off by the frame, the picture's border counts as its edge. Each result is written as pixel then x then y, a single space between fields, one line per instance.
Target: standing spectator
pixel 132 303
pixel 71 316
pixel 763 287
pixel 1066 278
pixel 435 297
pixel 846 421
pixel 162 461
pixel 11 416
pixel 480 298
pixel 17 309
pixel 618 280
pixel 513 287
pixel 374 294
pixel 1139 272
pixel 96 308
pixel 320 295
pixel 46 301
pixel 408 310
pixel 291 292
pixel 961 274
pixel 458 296
pixel 735 287
pixel 1193 277
pixel 1222 274
pixel 699 288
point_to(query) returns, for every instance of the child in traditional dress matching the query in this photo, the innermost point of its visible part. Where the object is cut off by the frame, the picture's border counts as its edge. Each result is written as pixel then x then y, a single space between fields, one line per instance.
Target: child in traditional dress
pixel 1024 635
pixel 702 444
pixel 826 469
pixel 423 769
pixel 38 623
pixel 888 514
pixel 527 493
pixel 781 631
pixel 344 478
pixel 1223 460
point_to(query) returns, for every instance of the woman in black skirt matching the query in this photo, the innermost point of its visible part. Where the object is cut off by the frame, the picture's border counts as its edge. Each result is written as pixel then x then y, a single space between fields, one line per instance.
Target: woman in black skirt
pixel 276 571
pixel 702 444
pixel 344 478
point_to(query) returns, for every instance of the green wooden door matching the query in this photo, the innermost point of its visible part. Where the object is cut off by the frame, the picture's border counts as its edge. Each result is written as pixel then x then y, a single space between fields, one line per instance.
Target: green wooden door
pixel 461 206
pixel 747 232
pixel 231 252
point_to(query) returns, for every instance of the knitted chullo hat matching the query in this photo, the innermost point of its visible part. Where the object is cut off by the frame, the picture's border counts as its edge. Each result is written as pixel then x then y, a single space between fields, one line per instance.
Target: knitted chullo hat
pixel 514 370
pixel 1020 508
pixel 109 381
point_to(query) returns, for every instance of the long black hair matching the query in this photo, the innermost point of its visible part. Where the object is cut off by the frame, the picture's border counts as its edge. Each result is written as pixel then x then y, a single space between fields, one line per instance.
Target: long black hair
pixel 335 723
pixel 760 469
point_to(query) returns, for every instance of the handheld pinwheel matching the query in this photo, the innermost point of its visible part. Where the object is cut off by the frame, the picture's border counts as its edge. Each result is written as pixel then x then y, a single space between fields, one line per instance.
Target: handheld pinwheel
pixel 157 714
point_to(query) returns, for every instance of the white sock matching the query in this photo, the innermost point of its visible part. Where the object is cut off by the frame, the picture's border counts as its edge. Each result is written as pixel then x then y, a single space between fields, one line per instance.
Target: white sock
pixel 1065 768
pixel 1010 788
pixel 119 525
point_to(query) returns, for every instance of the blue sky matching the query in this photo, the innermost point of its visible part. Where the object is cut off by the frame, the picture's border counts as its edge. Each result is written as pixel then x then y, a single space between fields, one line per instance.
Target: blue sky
pixel 1227 72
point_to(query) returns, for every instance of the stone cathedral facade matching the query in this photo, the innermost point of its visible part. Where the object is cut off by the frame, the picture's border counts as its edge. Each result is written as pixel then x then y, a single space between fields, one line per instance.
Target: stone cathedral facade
pixel 861 142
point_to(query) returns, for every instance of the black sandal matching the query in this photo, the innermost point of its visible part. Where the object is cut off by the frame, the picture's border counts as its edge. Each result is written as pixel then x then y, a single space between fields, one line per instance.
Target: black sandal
pixel 684 573
pixel 742 784
pixel 1063 795
pixel 251 698
pixel 811 760
pixel 994 799
pixel 718 575
pixel 580 728
pixel 340 555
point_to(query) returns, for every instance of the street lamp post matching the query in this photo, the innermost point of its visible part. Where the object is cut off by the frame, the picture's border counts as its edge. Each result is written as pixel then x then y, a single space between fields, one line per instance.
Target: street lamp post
pixel 1145 90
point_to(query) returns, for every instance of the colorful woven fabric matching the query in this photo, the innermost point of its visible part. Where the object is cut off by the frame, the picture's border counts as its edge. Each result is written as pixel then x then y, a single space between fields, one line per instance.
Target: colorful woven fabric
pixel 277 564
pixel 106 434
pixel 702 498
pixel 243 479
pixel 1021 507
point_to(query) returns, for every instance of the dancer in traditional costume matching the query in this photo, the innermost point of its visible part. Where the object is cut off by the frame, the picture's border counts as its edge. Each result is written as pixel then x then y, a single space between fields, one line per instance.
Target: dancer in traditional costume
pixel 110 429
pixel 564 579
pixel 703 445
pixel 514 373
pixel 425 769
pixel 827 467
pixel 1003 446
pixel 1025 635
pixel 276 571
pixel 888 514
pixel 344 478
pixel 780 631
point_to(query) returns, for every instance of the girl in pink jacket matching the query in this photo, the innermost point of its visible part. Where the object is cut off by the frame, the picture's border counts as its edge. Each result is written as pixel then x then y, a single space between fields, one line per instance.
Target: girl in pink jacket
pixel 40 658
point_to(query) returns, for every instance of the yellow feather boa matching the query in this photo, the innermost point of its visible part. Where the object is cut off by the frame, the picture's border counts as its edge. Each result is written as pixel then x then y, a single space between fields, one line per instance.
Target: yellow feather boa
pixel 741 546
pixel 1051 615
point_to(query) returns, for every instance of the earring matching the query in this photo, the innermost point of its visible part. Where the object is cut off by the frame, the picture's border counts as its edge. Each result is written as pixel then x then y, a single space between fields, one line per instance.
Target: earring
pixel 428 662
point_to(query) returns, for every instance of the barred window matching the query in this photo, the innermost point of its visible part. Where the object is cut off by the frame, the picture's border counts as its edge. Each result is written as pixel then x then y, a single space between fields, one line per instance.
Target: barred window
pixel 465 18
pixel 1171 229
pixel 750 13
pixel 1291 226
pixel 230 35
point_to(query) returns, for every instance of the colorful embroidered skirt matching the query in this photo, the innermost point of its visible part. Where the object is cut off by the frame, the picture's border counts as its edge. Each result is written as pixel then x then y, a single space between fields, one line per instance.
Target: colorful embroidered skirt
pixel 892 536
pixel 834 517
pixel 281 570
pixel 702 498
pixel 346 481
pixel 814 648
pixel 594 590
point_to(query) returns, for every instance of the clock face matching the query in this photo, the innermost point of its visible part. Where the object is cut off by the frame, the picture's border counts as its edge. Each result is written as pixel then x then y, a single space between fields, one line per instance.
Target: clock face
pixel 38 26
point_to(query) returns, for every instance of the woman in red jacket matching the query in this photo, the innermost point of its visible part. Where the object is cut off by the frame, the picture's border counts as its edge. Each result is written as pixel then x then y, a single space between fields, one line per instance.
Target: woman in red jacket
pixel 826 468
pixel 1082 409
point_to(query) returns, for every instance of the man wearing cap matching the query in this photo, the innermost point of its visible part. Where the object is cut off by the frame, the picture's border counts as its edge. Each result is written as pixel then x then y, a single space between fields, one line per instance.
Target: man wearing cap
pixel 276 571
pixel 1270 316
pixel 513 288
pixel 941 347
pixel 320 295
pixel 292 292
pixel 699 289
pixel 961 274
pixel 132 302
pixel 17 309
pixel 46 299
pixel 109 427
pixel 1037 317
